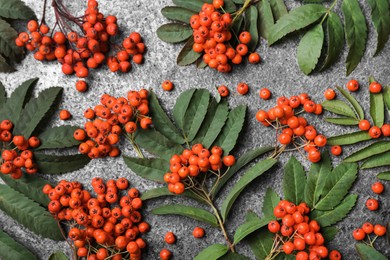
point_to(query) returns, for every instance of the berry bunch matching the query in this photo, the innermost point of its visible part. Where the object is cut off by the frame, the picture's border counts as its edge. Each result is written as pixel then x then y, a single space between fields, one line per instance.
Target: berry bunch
pixel 211 31
pixel 367 229
pixel 191 163
pixel 292 128
pixel 109 118
pixel 107 226
pixel 296 232
pixel 15 154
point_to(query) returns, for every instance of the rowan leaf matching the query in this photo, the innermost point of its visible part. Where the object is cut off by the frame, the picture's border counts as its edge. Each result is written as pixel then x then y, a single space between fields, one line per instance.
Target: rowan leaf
pixel 174 32
pixel 335 39
pixel 177 13
pixel 355 104
pixel 338 107
pixel 296 19
pixel 380 16
pixel 351 138
pixel 57 164
pixel 266 18
pixel 152 169
pixel 384 176
pixel 342 120
pixel 181 106
pixel 187 55
pixel 377 161
pixel 356 33
pixel 260 241
pixel 58 137
pixel 248 227
pixel 16 9
pixel 4 66
pixel 212 252
pixel 58 256
pixel 279 9
pixel 270 201
pixel 329 233
pixel 377 109
pixel 367 252
pixel 369 151
pixel 330 217
pixel 309 49
pixel 294 181
pixel 7 40
pixel 193 5
pixel 163 191
pixel 251 17
pixel 12 250
pixel 233 256
pixel 187 211
pixel 3 96
pixel 386 96
pixel 254 172
pixel 36 110
pixel 28 213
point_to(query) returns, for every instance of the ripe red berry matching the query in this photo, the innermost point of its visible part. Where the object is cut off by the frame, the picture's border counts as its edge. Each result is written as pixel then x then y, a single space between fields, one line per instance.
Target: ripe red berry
pixel 242 88
pixel 265 93
pixel 372 204
pixel 377 187
pixel 353 85
pixel 336 150
pixel 375 87
pixel 223 91
pixel 330 94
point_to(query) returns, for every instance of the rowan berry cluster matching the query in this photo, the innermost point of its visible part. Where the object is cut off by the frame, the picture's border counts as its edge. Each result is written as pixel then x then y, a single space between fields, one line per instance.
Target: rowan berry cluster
pixel 296 232
pixel 107 226
pixel 368 228
pixel 190 163
pixel 80 52
pixel 16 153
pixel 372 203
pixel 109 119
pixel 294 129
pixel 211 31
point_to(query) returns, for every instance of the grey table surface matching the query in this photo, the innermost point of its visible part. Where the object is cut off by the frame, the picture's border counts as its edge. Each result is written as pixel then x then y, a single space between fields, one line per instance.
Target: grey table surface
pixel 278 71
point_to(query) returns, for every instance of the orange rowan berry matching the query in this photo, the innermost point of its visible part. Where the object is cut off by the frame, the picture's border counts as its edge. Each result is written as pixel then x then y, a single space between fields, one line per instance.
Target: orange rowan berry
pixel 167 85
pixel 198 232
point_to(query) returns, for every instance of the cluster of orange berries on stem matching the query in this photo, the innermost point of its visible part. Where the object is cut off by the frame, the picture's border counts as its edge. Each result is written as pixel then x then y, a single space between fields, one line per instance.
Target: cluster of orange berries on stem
pixel 296 232
pixel 107 226
pixel 291 128
pixel 368 228
pixel 110 119
pixel 16 153
pixel 211 32
pixel 190 163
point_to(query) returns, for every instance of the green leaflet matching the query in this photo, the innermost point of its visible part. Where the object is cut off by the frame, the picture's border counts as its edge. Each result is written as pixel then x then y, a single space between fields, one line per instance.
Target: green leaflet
pixel 152 169
pixel 355 31
pixel 266 18
pixel 330 217
pixel 351 138
pixel 187 211
pixel 355 104
pixel 248 228
pixel 4 66
pixel 227 139
pixel 58 256
pixel 177 14
pixel 36 110
pixel 16 9
pixel 3 95
pixel 7 41
pixel 58 137
pixel 335 39
pixel 384 176
pixel 368 252
pixel 377 109
pixel 187 55
pixel 316 179
pixel 163 191
pixel 297 19
pixel 30 185
pixel 329 233
pixel 162 122
pixel 377 161
pixel 195 113
pixel 260 241
pixel 247 178
pixel 233 256
pixel 279 9
pixel 181 106
pixel 309 49
pixel 386 96
pixel 237 28
pixel 212 252
pixel 251 17
pixel 12 250
pixel 380 16
pixel 57 164
pixel 337 185
pixel 28 213
pixel 174 32
pixel 342 120
pixel 21 95
pixel 338 107
pixel 294 181
pixel 270 201
pixel 193 5
pixel 156 143
pixel 241 162
pixel 369 151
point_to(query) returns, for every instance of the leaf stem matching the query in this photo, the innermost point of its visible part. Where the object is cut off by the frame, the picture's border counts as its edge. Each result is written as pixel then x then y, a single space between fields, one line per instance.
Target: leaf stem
pixel 328 11
pixel 135 145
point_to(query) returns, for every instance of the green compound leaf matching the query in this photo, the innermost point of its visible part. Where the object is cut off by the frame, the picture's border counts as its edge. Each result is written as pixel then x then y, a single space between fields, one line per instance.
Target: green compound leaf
pixel 384 176
pixel 28 213
pixel 335 39
pixel 248 228
pixel 187 211
pixel 266 18
pixel 174 32
pixel 368 252
pixel 355 104
pixel 152 169
pixel 7 41
pixel 351 138
pixel 294 181
pixel 57 164
pixel 330 217
pixel 58 137
pixel 297 19
pixel 270 201
pixel 279 9
pixel 342 120
pixel 177 14
pixel 377 109
pixel 16 9
pixel 254 172
pixel 338 107
pixel 369 151
pixel 309 49
pixel 12 250
pixel 181 106
pixel 356 33
pixel 212 252
pixel 377 161
pixel 251 17
pixel 381 19
pixel 187 55
pixel 163 191
pixel 58 256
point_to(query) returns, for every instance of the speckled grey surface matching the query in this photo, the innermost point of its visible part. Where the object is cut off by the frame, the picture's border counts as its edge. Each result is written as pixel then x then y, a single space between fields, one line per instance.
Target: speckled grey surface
pixel 278 71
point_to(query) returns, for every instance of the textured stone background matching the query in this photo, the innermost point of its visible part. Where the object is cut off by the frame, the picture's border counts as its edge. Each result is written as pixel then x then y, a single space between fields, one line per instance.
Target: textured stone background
pixel 278 71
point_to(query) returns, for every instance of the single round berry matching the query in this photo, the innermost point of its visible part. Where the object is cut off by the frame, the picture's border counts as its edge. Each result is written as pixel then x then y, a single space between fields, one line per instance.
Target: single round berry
pixel 65 114
pixel 330 94
pixel 377 187
pixel 265 93
pixel 223 91
pixel 336 150
pixel 358 234
pixel 375 87
pixel 198 232
pixel 353 85
pixel 372 204
pixel 167 85
pixel 242 88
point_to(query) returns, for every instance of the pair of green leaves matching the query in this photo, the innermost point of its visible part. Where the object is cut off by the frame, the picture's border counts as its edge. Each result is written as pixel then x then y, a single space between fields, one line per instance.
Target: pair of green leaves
pixel 11 9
